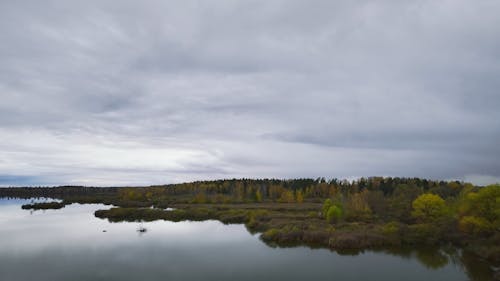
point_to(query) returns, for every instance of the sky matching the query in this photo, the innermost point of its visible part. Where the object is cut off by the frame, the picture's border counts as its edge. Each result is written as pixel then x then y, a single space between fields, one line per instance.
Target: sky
pixel 148 92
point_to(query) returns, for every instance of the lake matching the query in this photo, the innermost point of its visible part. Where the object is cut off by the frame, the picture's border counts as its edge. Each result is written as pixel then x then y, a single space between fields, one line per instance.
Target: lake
pixel 71 244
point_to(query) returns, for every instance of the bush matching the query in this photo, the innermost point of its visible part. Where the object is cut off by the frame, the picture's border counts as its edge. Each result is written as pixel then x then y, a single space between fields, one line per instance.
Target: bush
pixel 422 234
pixel 326 205
pixel 333 214
pixel 270 234
pixel 475 225
pixel 391 228
pixel 313 214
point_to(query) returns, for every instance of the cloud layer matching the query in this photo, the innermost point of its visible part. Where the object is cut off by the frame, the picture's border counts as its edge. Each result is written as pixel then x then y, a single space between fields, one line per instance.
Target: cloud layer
pixel 107 93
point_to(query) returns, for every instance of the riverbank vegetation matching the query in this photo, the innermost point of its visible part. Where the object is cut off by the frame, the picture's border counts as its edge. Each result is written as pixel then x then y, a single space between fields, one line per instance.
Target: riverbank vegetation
pixel 44 206
pixel 366 213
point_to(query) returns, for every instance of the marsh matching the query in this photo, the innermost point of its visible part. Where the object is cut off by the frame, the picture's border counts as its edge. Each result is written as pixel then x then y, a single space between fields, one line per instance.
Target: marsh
pixel 69 244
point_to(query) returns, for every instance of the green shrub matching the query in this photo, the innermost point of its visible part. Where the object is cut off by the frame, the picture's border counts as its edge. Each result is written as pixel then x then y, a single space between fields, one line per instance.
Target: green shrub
pixel 270 234
pixel 424 233
pixel 334 214
pixel 391 228
pixel 475 225
pixel 326 205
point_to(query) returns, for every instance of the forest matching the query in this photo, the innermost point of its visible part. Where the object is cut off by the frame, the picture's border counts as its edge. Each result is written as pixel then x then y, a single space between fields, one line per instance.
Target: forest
pixel 368 213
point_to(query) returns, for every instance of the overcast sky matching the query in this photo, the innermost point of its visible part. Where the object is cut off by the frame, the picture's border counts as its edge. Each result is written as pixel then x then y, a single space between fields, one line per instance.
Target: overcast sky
pixel 148 92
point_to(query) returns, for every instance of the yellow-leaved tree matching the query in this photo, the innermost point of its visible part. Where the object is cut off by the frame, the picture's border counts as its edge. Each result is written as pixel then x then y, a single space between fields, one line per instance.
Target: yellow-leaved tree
pixel 429 207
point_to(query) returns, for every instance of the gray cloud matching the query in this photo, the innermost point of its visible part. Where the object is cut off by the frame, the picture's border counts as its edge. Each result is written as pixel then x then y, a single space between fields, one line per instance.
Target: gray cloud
pixel 169 91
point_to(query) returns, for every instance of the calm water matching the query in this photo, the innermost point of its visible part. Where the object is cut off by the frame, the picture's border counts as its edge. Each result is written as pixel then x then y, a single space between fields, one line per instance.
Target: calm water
pixel 69 244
